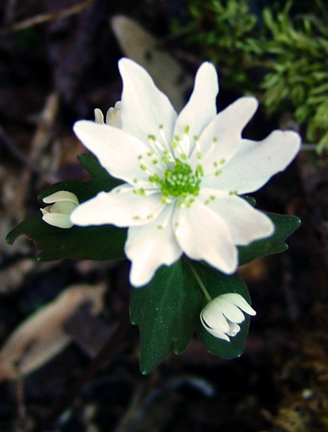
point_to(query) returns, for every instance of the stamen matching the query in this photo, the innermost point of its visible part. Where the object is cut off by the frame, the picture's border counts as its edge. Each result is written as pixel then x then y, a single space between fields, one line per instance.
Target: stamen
pixel 140 191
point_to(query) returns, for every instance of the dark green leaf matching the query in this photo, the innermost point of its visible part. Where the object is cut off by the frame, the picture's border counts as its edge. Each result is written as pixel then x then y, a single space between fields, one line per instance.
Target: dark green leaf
pixel 95 243
pixel 90 243
pixel 216 284
pixel 166 311
pixel 83 190
pixel 249 199
pixel 285 226
pixel 92 165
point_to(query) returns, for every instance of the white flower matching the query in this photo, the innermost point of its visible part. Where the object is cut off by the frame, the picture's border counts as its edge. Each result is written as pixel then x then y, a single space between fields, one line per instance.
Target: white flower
pixel 221 316
pixel 58 213
pixel 183 174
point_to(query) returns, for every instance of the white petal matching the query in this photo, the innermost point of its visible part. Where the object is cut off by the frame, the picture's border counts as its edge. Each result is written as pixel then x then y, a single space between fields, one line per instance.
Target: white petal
pixel 256 162
pixel 61 196
pixel 221 138
pixel 233 329
pixel 245 223
pixel 239 301
pixel 117 151
pixel 148 247
pixel 213 316
pixel 57 220
pixel 201 108
pixel 203 235
pixel 63 207
pixel 217 334
pixel 120 207
pixel 144 106
pixel 230 311
pixel 213 331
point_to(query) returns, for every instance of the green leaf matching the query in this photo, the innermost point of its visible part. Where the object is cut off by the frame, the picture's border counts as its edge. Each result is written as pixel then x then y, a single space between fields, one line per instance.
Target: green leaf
pixel 92 165
pixel 83 190
pixel 216 284
pixel 89 243
pixel 249 199
pixel 104 242
pixel 285 226
pixel 166 311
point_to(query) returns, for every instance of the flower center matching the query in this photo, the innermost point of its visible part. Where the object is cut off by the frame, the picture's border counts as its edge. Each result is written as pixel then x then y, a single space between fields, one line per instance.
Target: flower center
pixel 179 181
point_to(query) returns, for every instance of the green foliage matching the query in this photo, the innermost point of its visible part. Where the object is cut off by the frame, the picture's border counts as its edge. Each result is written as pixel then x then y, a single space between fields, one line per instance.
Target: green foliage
pixel 101 243
pixel 167 312
pixel 104 242
pixel 299 72
pixel 285 226
pixel 217 283
pixel 281 56
pixel 167 309
pixel 221 31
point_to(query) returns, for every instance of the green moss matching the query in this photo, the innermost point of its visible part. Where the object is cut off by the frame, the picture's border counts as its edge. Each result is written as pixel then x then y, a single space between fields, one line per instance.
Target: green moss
pixel 280 55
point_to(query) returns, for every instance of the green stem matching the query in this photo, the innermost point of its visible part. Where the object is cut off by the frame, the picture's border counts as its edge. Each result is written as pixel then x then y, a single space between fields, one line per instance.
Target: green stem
pixel 200 282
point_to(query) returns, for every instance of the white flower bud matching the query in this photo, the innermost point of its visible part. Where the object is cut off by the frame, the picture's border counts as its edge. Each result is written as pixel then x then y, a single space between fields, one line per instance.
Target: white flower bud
pixel 221 316
pixel 58 213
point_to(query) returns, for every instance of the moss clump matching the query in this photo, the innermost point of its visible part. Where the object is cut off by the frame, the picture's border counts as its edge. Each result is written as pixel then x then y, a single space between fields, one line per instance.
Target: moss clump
pixel 280 54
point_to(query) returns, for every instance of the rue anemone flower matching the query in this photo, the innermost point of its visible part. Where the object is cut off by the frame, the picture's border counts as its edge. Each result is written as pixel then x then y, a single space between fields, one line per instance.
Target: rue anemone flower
pixel 182 173
pixel 221 316
pixel 62 204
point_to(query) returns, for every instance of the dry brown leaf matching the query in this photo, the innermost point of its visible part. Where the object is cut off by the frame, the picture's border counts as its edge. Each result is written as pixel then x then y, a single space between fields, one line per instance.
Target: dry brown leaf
pixel 12 277
pixel 143 48
pixel 41 336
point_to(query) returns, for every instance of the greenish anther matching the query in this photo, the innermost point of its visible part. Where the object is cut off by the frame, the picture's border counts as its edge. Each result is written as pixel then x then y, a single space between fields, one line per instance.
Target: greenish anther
pixel 179 181
pixel 140 191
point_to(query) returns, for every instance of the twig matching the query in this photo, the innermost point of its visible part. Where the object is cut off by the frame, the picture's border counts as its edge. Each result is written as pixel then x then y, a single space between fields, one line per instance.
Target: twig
pixel 309 147
pixel 21 411
pixel 50 16
pixel 109 351
pixel 9 144
pixel 15 151
pixel 22 10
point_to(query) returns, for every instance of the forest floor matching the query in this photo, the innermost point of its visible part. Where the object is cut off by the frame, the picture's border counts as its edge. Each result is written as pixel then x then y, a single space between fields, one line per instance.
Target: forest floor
pixel 51 75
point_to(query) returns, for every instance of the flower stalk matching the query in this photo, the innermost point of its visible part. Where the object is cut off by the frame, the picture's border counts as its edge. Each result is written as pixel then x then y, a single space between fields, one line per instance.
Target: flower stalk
pixel 200 282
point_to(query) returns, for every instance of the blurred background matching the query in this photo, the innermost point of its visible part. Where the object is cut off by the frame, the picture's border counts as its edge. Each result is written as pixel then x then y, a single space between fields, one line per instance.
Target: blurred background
pixel 58 62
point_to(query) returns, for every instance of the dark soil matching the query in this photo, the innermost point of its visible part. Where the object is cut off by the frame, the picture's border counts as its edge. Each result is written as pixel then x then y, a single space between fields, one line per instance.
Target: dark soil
pixel 53 74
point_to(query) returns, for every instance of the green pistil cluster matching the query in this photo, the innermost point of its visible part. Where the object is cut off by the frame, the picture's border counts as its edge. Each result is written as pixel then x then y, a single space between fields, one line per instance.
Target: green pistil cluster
pixel 179 181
